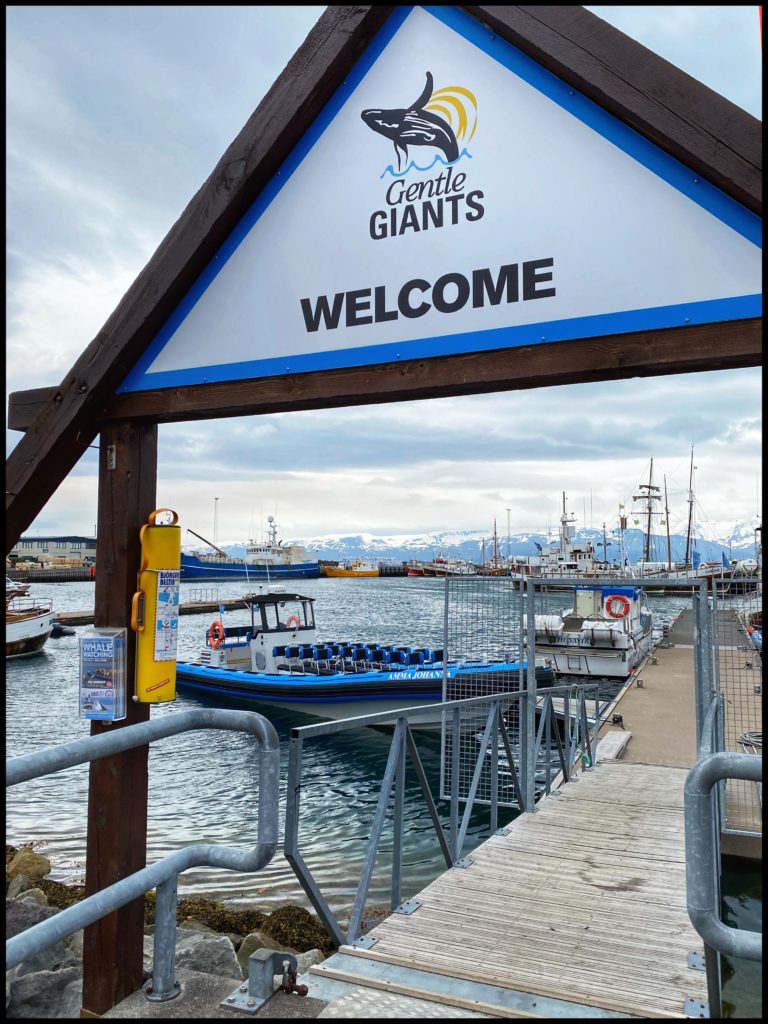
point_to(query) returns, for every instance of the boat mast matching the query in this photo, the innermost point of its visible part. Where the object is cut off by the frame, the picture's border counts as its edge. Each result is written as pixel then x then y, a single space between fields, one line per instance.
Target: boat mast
pixel 690 514
pixel 666 512
pixel 649 498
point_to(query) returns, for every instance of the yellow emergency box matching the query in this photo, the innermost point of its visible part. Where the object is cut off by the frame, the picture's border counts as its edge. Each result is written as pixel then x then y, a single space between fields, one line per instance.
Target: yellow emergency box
pixel 155 609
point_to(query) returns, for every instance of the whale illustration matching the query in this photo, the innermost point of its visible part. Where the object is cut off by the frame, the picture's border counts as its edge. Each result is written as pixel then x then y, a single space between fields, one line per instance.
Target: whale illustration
pixel 414 126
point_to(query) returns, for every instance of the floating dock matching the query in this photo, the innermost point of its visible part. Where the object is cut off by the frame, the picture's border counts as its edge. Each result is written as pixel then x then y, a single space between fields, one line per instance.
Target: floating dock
pixel 579 910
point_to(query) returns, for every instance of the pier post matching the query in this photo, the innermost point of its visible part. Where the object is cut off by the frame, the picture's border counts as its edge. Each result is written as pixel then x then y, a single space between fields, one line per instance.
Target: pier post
pixel 117 788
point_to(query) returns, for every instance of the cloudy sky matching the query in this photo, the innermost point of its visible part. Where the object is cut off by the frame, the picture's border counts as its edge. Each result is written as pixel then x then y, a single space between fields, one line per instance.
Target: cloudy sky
pixel 117 115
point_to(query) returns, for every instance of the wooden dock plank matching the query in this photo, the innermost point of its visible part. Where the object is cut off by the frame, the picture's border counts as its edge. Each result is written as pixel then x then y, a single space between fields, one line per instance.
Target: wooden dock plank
pixel 584 901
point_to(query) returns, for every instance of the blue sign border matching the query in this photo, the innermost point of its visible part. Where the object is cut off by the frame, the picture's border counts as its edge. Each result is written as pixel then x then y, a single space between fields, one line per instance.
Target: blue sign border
pixel 700 191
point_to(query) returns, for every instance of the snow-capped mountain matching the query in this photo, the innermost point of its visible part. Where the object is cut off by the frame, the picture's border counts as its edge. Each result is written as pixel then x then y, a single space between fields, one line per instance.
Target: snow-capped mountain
pixel 737 541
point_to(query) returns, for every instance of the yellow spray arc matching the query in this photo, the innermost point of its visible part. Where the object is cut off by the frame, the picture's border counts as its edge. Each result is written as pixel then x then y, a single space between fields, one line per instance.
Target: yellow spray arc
pixel 155 609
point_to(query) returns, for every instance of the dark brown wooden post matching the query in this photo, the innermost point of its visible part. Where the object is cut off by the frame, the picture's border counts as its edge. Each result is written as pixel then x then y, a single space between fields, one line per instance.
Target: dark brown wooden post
pixel 117 794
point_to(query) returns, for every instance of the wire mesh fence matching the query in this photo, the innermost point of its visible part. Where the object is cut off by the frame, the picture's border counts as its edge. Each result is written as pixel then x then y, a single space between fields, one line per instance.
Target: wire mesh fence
pixel 738 650
pixel 485 620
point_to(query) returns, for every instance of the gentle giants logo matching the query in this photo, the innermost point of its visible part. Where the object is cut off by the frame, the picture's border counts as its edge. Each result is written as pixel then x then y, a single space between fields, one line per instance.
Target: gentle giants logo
pixel 421 123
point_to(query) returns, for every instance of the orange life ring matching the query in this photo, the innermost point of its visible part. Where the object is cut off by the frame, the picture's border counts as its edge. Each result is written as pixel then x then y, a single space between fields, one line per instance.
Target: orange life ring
pixel 216 634
pixel 293 622
pixel 623 609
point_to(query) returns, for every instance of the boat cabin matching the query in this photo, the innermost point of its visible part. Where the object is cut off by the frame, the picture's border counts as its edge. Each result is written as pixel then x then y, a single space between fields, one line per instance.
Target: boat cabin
pixel 278 621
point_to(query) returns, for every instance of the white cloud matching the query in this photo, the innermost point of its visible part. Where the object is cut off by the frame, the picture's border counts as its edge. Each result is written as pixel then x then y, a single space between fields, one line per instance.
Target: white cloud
pixel 115 118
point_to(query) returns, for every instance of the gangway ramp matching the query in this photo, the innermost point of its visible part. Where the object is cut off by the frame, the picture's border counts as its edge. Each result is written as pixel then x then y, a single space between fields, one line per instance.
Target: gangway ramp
pixel 578 910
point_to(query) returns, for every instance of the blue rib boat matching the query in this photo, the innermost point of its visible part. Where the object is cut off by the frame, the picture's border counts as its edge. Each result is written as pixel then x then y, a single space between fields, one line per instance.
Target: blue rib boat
pixel 277 661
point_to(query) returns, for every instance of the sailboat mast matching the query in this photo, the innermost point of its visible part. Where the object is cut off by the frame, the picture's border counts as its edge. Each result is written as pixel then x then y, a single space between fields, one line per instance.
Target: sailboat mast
pixel 649 499
pixel 690 514
pixel 666 512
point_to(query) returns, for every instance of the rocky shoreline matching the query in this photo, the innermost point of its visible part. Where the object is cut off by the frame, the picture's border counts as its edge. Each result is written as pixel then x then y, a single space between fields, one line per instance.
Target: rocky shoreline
pixel 211 938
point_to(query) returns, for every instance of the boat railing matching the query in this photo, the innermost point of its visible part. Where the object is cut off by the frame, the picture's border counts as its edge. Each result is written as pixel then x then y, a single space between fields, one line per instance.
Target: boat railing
pixel 509 764
pixel 26 604
pixel 163 874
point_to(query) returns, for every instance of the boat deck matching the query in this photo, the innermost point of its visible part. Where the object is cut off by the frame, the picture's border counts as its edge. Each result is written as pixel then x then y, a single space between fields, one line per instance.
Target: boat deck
pixel 579 910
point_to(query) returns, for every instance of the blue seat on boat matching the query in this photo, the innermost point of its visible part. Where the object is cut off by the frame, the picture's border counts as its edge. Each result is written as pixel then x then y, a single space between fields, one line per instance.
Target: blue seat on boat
pixel 293 651
pixel 411 658
pixel 279 652
pixel 437 655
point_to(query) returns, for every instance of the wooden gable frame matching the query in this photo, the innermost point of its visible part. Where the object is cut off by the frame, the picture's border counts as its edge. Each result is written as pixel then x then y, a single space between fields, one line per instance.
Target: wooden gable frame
pixel 686 119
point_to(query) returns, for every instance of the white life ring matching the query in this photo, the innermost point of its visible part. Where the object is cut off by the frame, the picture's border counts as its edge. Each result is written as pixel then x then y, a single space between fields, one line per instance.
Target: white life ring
pixel 623 609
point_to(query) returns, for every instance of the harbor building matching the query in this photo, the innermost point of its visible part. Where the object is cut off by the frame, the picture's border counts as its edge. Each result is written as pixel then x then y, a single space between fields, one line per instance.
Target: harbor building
pixel 70 550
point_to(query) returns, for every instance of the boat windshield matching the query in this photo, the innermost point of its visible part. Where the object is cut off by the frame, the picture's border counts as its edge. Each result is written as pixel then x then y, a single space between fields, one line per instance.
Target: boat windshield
pixel 280 615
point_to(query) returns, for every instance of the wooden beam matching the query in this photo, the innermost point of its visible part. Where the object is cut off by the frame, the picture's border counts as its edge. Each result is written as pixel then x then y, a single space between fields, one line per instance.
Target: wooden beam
pixel 691 349
pixel 55 441
pixel 117 793
pixel 691 122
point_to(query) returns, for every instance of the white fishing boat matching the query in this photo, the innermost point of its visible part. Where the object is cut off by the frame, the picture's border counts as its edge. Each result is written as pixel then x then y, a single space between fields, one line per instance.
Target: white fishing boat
pixel 605 633
pixel 28 623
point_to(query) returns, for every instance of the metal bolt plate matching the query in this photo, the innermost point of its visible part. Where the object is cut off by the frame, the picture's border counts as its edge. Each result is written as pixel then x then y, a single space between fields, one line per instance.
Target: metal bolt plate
pixel 696 961
pixel 502 831
pixel 695 1008
pixel 243 1002
pixel 407 907
pixel 464 862
pixel 364 942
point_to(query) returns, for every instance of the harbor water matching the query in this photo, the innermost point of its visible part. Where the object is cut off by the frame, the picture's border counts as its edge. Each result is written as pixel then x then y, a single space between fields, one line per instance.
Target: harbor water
pixel 202 786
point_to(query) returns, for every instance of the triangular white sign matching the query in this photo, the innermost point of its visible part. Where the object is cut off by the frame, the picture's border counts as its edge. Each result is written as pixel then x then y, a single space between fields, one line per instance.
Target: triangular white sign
pixel 453 197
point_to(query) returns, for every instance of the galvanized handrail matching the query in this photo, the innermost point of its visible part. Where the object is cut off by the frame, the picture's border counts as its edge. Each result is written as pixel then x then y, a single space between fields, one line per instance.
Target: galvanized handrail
pixel 700 867
pixel 162 875
pixel 394 775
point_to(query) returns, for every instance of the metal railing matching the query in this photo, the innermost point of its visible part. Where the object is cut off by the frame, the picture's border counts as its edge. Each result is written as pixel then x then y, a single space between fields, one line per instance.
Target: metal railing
pixel 702 857
pixel 162 875
pixel 579 743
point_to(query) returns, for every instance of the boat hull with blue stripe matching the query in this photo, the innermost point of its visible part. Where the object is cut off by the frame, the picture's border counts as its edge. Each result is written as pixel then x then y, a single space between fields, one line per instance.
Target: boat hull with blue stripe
pixel 278 662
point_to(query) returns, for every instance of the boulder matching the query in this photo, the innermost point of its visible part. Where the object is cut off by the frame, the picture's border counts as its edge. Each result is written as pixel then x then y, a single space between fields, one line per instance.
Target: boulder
pixel 306 960
pixel 27 862
pixel 46 994
pixel 36 895
pixel 17 885
pixel 258 940
pixel 195 926
pixel 200 951
pixel 22 914
pixel 75 943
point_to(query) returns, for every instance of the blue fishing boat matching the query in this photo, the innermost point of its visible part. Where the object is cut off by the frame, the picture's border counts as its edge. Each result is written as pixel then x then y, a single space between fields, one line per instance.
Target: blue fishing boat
pixel 269 559
pixel 277 661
